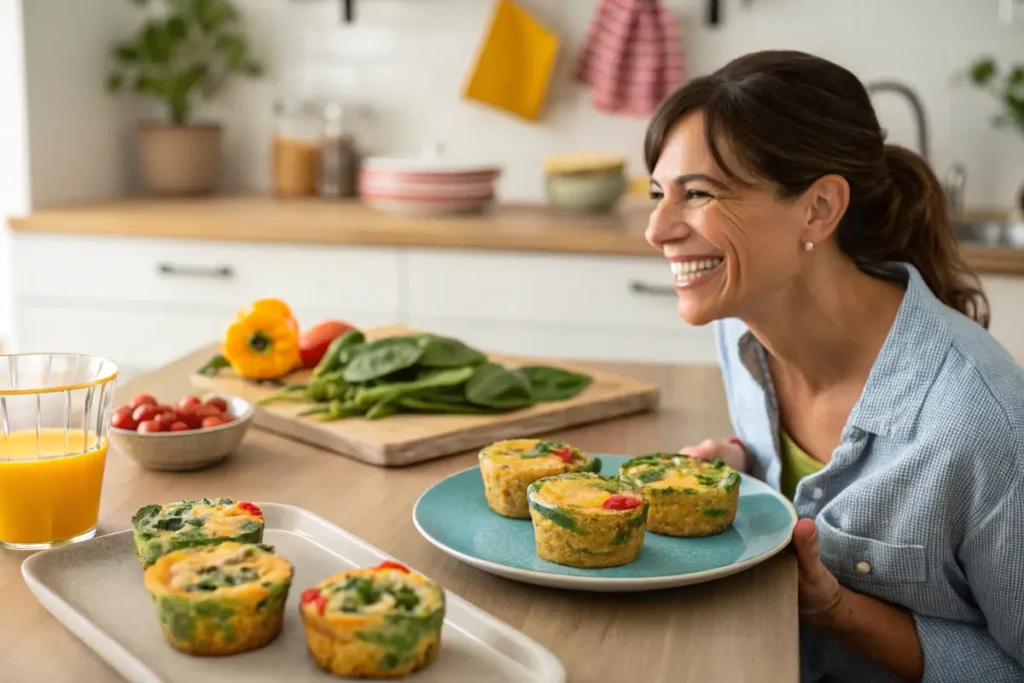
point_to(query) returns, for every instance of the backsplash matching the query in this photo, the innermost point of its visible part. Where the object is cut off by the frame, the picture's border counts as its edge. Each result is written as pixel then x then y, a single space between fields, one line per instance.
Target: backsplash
pixel 406 61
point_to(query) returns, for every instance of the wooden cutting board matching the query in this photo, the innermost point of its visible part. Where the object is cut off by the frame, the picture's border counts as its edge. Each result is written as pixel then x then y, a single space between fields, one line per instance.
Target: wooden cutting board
pixel 404 439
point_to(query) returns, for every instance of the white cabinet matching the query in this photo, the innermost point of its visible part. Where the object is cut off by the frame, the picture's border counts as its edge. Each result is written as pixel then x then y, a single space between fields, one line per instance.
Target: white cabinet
pixel 1006 299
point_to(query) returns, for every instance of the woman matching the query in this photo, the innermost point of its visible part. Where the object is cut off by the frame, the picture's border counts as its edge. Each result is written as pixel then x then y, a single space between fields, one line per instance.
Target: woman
pixel 860 377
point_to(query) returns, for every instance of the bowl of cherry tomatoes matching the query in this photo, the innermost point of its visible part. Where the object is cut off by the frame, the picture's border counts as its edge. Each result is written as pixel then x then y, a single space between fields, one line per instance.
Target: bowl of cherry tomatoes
pixel 188 434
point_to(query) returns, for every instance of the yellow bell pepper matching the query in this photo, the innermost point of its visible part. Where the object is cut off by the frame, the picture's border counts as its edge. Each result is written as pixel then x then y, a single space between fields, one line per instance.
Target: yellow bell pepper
pixel 274 306
pixel 262 343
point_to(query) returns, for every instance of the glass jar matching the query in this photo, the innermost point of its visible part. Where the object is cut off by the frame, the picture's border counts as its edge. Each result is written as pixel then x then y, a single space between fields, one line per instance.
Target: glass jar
pixel 339 158
pixel 297 142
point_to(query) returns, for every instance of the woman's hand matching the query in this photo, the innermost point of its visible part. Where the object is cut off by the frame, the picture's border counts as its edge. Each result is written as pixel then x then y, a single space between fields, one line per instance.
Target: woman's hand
pixel 819 591
pixel 731 452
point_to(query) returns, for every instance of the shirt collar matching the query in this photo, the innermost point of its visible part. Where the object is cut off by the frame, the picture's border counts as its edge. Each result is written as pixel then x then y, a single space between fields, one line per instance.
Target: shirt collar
pixel 906 366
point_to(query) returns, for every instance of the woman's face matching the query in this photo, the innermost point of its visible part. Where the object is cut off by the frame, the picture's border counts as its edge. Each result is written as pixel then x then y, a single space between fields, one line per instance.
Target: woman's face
pixel 731 247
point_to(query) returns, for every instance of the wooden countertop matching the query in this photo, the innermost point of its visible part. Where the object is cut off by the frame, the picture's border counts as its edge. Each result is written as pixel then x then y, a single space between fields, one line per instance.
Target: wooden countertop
pixel 740 629
pixel 266 219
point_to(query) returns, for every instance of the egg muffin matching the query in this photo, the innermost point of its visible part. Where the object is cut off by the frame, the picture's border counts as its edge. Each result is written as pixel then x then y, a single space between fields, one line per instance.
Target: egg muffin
pixel 585 520
pixel 688 496
pixel 509 467
pixel 380 622
pixel 220 599
pixel 159 529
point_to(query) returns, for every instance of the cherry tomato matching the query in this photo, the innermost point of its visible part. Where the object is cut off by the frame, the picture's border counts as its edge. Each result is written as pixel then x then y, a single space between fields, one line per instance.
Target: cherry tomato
pixel 212 421
pixel 124 407
pixel 251 507
pixel 179 427
pixel 563 454
pixel 146 411
pixel 313 342
pixel 190 416
pixel 122 419
pixel 310 594
pixel 218 403
pixel 319 602
pixel 168 418
pixel 143 399
pixel 151 426
pixel 208 411
pixel 622 501
pixel 388 564
pixel 189 401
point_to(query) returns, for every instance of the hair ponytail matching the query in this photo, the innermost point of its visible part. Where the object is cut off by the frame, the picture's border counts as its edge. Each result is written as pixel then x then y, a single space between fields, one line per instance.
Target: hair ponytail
pixel 917 229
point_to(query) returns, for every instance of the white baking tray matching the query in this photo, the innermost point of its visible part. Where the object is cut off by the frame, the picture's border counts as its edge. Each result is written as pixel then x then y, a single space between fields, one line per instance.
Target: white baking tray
pixel 95 590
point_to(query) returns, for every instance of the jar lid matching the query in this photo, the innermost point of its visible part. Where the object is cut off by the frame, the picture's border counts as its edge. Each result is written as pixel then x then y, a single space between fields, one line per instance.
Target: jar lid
pixel 431 160
pixel 583 163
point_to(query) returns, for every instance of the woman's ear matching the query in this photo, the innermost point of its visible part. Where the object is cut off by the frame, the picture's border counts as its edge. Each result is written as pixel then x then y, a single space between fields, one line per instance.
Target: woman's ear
pixel 825 202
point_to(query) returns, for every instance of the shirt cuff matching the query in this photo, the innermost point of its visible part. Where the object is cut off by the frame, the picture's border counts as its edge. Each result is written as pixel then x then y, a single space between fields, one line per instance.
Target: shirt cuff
pixel 955 652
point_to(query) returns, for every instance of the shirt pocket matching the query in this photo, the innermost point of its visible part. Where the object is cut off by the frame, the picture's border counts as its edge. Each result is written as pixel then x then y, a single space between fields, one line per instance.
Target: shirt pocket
pixel 867 560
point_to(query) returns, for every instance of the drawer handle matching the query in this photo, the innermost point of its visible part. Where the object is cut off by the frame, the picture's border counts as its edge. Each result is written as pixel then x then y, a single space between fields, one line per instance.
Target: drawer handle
pixel 222 272
pixel 655 290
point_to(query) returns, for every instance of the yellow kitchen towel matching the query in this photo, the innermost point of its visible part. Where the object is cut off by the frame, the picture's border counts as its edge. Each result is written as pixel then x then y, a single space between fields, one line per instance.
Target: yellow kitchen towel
pixel 514 65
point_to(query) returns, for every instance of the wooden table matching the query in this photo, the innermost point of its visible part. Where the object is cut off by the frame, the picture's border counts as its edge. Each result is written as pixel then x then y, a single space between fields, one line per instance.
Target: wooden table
pixel 735 630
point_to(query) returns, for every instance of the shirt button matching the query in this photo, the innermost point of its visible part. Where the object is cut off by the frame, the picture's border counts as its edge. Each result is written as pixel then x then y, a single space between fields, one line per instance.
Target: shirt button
pixel 863 567
pixel 817 493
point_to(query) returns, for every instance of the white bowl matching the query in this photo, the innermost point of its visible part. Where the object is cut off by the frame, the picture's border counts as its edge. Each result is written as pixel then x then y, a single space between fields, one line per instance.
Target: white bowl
pixel 191 450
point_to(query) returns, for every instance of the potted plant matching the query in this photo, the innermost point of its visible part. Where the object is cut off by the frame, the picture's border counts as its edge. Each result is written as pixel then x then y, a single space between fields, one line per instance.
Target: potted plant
pixel 185 52
pixel 1007 87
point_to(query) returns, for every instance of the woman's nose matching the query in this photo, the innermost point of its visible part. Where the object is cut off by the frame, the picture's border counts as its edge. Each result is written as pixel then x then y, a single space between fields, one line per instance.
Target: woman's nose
pixel 664 225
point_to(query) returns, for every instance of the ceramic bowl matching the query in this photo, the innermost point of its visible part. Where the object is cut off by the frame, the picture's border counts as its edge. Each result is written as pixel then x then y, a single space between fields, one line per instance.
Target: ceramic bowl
pixel 590 192
pixel 182 451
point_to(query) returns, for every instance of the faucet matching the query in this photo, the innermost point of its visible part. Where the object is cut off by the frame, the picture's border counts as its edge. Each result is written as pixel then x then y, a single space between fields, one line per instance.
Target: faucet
pixel 915 103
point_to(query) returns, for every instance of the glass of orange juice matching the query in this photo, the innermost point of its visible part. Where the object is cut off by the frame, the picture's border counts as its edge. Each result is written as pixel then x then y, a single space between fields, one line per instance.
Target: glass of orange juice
pixel 54 412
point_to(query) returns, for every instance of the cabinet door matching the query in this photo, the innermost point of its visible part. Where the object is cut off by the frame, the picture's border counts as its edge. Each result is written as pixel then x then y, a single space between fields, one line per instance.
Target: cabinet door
pixel 606 308
pixel 1006 299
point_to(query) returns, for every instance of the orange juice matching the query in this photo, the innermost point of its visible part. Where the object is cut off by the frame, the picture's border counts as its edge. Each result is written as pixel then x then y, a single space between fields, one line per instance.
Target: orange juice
pixel 53 497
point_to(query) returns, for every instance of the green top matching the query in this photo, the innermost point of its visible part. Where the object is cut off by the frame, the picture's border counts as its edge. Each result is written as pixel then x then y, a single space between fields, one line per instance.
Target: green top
pixel 795 465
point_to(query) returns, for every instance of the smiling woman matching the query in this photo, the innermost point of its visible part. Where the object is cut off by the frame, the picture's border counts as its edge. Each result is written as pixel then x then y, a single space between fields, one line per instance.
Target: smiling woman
pixel 860 376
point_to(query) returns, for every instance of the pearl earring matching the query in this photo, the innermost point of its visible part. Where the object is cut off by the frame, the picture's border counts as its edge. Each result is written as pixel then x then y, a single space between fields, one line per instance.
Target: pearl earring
pixel 808 246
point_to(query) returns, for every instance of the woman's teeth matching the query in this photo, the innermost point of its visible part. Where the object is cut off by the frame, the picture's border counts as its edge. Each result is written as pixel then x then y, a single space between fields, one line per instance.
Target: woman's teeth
pixel 688 270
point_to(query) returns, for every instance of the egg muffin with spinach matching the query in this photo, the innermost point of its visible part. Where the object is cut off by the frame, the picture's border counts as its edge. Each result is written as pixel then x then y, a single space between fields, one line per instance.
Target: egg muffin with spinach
pixel 160 529
pixel 585 520
pixel 380 622
pixel 220 599
pixel 688 496
pixel 509 467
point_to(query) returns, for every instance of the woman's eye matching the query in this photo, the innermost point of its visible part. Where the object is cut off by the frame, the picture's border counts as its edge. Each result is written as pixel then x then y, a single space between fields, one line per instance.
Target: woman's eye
pixel 697 194
pixel 656 194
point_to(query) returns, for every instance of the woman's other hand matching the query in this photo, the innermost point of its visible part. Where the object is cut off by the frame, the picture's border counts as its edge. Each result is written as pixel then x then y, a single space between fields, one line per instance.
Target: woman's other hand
pixel 730 451
pixel 819 590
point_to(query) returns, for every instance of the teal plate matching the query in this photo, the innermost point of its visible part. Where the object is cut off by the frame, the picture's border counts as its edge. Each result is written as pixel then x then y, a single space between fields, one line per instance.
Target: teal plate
pixel 454 516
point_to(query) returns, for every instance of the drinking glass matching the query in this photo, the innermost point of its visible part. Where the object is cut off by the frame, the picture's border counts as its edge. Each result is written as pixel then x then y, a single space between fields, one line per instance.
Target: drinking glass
pixel 54 412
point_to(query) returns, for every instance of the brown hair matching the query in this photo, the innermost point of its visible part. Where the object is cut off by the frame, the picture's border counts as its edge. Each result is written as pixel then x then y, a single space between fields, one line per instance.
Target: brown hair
pixel 791 118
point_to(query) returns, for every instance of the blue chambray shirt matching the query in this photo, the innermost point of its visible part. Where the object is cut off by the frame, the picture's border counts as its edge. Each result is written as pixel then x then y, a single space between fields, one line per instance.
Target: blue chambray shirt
pixel 922 504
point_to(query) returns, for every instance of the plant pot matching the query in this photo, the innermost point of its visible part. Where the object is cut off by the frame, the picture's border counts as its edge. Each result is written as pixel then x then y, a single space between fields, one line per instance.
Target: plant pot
pixel 179 160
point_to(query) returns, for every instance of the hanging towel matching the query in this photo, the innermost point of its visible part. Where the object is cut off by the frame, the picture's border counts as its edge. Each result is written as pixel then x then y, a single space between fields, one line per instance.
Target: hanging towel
pixel 632 58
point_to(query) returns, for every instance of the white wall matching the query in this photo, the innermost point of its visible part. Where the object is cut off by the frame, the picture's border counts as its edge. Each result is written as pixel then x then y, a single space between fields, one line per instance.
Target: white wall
pixel 408 59
pixel 14 197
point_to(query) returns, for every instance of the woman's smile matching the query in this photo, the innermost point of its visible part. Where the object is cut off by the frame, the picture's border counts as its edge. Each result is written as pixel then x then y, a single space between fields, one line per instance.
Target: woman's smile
pixel 693 271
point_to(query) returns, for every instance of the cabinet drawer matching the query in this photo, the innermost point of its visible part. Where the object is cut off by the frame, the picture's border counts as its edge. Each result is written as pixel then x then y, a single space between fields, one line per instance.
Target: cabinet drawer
pixel 596 290
pixel 591 343
pixel 209 273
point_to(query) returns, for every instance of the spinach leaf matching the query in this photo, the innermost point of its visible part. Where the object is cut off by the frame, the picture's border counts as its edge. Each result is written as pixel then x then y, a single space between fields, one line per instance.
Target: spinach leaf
pixel 626 532
pixel 428 403
pixel 381 409
pixel 650 475
pixel 396 390
pixel 593 466
pixel 339 352
pixel 555 384
pixel 541 448
pixel 559 516
pixel 715 512
pixel 381 358
pixel 731 481
pixel 494 386
pixel 169 524
pixel 445 352
pixel 145 513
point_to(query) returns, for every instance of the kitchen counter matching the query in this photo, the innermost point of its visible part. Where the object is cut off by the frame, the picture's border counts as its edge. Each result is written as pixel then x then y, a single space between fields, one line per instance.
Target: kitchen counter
pixel 532 228
pixel 742 628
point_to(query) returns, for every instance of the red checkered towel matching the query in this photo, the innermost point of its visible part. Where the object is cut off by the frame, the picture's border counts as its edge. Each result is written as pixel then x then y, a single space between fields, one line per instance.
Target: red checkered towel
pixel 632 58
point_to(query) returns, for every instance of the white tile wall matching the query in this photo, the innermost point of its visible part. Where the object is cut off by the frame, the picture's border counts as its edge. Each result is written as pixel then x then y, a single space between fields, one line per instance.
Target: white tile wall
pixel 408 58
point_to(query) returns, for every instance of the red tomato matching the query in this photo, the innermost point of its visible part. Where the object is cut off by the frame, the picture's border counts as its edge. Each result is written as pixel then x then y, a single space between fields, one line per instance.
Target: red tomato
pixel 388 564
pixel 563 454
pixel 180 427
pixel 212 421
pixel 143 399
pixel 146 411
pixel 189 401
pixel 251 508
pixel 168 418
pixel 622 501
pixel 218 403
pixel 313 342
pixel 151 426
pixel 310 594
pixel 190 416
pixel 208 411
pixel 122 419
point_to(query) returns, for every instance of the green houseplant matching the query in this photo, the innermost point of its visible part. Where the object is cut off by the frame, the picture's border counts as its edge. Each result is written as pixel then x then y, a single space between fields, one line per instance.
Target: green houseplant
pixel 1007 87
pixel 184 51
